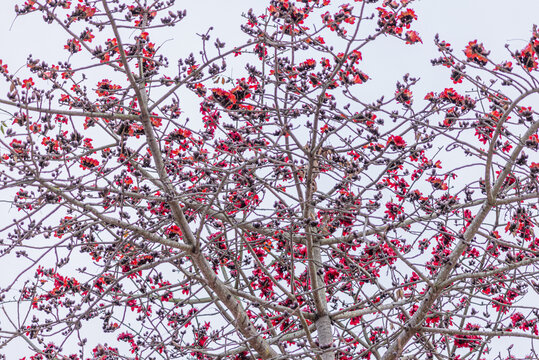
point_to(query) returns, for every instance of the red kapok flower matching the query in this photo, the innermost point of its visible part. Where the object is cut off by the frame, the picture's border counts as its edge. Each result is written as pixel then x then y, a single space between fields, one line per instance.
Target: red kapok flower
pixel 73 46
pixel 412 37
pixel 88 163
pixel 28 83
pixel 476 53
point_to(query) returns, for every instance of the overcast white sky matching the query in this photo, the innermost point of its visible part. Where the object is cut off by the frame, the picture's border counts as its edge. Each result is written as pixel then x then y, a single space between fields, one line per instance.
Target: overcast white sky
pixel 494 22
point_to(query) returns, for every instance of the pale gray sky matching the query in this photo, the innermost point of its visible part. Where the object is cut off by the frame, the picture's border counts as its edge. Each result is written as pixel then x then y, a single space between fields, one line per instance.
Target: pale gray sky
pixel 494 22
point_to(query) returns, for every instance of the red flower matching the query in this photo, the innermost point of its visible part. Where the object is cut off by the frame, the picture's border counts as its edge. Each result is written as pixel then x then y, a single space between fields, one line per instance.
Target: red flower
pixel 412 37
pixel 469 341
pixel 104 88
pixel 355 56
pixel 173 232
pixel 476 53
pixel 261 51
pixel 404 96
pixel 406 17
pixel 200 90
pixel 506 66
pixel 360 77
pixel 88 163
pixel 28 83
pixel 224 98
pixel 82 12
pixel 456 76
pixel 527 58
pixel 87 35
pixel 3 68
pixel 396 141
pixel 393 210
pixel 308 64
pixel 73 46
pixel 437 183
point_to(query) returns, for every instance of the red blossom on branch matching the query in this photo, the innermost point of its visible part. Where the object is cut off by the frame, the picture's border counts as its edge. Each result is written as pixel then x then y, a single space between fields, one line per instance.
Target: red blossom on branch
pixel 285 213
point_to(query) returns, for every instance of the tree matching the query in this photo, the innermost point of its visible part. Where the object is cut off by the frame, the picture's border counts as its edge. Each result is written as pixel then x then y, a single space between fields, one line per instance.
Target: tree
pixel 290 218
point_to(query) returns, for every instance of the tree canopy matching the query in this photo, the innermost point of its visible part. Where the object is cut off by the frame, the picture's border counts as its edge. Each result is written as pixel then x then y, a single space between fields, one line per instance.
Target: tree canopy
pixel 169 208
